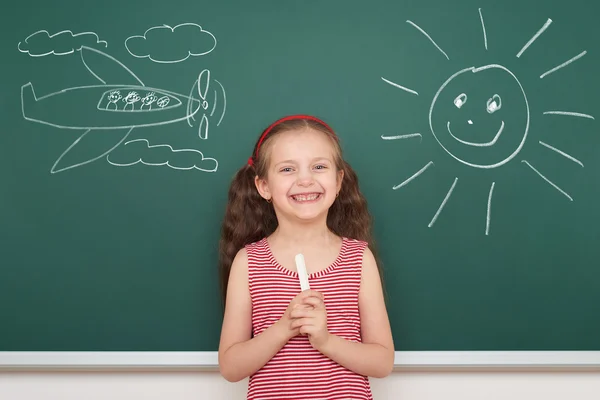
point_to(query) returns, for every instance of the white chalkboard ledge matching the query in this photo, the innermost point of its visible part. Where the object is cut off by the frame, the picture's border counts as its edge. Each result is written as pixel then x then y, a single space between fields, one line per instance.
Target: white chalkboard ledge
pixel 208 360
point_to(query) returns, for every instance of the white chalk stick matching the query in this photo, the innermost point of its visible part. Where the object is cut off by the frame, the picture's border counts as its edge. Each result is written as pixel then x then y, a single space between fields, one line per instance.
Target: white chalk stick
pixel 302 274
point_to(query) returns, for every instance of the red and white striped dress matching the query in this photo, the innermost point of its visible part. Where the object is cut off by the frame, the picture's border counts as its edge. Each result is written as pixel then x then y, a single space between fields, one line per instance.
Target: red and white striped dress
pixel 298 371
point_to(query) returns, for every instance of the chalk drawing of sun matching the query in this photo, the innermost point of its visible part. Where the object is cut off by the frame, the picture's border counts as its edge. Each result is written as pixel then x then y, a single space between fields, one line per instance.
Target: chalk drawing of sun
pixel 449 123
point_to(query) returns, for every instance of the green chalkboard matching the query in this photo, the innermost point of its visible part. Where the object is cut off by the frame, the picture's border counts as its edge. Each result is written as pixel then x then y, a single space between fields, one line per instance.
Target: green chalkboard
pixel 471 124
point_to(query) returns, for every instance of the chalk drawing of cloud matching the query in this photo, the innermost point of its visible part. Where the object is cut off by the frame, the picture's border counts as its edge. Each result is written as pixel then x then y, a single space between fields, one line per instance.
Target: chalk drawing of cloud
pixel 41 43
pixel 165 44
pixel 141 151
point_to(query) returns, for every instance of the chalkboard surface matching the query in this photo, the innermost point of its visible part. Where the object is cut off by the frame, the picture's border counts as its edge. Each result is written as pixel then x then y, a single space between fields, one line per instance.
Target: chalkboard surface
pixel 472 126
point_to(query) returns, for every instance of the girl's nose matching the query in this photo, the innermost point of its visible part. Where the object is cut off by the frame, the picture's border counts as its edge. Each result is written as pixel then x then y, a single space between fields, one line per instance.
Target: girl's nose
pixel 305 178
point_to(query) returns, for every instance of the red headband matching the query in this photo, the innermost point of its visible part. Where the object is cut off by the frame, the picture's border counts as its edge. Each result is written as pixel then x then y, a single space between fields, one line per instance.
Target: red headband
pixel 274 124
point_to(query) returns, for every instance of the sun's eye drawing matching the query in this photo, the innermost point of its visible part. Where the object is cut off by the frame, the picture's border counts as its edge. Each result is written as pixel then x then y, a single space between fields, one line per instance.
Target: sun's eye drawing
pixel 469 142
pixel 460 100
pixel 494 104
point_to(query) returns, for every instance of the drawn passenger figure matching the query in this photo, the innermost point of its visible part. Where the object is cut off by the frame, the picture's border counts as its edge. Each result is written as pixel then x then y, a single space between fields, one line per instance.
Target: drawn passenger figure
pixel 131 99
pixel 163 101
pixel 148 100
pixel 113 97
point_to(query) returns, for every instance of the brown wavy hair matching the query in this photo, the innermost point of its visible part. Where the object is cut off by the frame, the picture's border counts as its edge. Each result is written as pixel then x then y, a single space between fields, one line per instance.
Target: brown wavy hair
pixel 249 218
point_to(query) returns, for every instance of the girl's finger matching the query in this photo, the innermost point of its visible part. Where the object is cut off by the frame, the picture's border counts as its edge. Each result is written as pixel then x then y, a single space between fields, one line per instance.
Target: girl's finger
pixel 313 301
pixel 301 313
pixel 299 308
pixel 312 293
pixel 298 322
pixel 306 329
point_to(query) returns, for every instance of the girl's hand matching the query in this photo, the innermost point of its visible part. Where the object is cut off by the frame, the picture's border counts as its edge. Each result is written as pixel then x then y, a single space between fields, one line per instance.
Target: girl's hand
pixel 286 320
pixel 311 319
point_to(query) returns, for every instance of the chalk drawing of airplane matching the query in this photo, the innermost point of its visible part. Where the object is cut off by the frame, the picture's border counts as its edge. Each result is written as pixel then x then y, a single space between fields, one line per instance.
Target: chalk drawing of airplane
pixel 108 113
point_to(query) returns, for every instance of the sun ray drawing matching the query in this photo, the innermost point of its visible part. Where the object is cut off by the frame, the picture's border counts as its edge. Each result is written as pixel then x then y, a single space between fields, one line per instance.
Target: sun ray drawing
pixel 438 212
pixel 489 210
pixel 569 113
pixel 407 136
pixel 419 172
pixel 562 153
pixel 429 37
pixel 547 180
pixel 483 29
pixel 569 61
pixel 534 38
pixel 481 118
pixel 399 86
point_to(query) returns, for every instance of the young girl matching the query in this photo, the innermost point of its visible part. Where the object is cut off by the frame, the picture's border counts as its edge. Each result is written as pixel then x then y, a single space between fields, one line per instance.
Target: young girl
pixel 297 195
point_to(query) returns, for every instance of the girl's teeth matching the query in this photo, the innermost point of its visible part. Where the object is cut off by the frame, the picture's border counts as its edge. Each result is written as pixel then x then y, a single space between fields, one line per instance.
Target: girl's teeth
pixel 306 197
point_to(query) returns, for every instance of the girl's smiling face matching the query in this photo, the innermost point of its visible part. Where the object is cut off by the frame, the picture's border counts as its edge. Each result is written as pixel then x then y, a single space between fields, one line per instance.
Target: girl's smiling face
pixel 302 179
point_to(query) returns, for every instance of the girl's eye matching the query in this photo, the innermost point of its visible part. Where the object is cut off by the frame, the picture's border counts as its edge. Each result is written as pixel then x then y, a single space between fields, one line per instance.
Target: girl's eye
pixel 286 169
pixel 321 166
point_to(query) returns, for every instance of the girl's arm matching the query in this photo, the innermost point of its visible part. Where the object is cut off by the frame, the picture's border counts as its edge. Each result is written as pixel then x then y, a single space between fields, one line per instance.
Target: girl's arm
pixel 375 355
pixel 240 355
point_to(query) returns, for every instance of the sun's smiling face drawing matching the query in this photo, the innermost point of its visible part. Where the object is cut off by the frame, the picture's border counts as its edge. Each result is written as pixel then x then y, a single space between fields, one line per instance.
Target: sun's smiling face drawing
pixel 480 116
